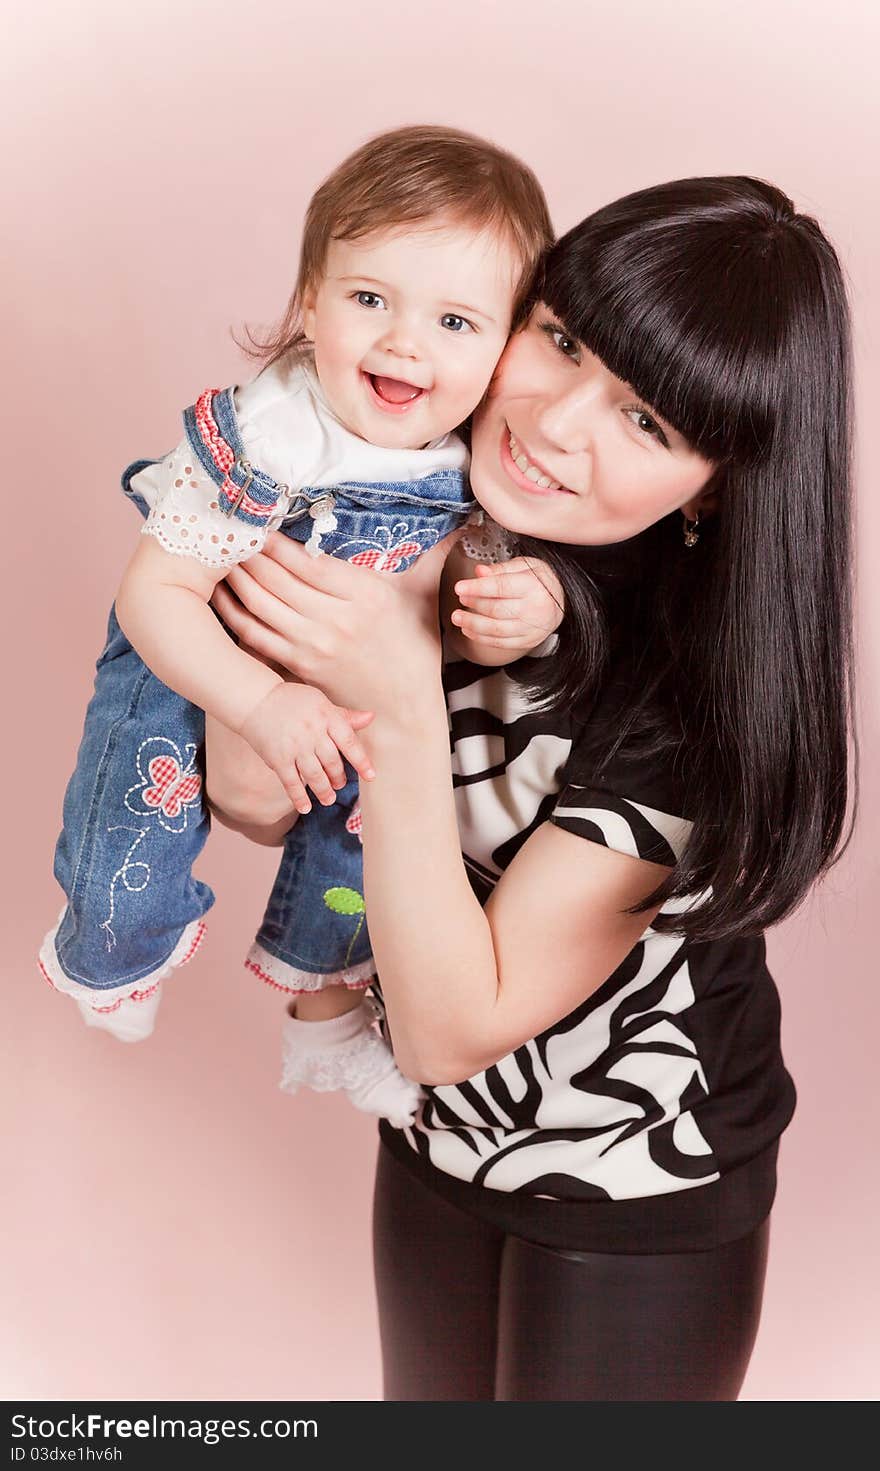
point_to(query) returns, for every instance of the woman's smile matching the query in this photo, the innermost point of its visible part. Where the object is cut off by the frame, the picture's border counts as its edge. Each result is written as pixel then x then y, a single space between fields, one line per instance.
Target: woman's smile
pixel 525 471
pixel 559 448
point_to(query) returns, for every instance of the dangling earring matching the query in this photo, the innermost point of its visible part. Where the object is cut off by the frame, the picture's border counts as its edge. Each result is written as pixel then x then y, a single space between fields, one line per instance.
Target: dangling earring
pixel 691 534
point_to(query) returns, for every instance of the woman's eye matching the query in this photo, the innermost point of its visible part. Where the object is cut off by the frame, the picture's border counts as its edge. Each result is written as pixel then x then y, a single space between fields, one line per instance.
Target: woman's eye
pixel 452 323
pixel 565 344
pixel 369 299
pixel 646 424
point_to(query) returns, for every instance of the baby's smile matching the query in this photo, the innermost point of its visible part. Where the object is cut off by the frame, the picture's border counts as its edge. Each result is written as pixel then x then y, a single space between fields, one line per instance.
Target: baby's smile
pixel 394 395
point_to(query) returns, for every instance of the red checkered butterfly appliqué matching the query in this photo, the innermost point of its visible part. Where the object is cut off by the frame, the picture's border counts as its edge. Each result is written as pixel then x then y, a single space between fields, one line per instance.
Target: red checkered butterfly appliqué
pixel 389 547
pixel 169 783
pixel 386 561
pixel 170 786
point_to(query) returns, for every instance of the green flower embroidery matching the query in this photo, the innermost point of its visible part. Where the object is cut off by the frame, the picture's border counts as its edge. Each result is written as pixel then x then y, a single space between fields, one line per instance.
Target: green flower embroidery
pixel 347 901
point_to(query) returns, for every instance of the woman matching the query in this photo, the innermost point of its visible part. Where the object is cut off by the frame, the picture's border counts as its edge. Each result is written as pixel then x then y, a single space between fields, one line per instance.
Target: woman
pixel 581 1211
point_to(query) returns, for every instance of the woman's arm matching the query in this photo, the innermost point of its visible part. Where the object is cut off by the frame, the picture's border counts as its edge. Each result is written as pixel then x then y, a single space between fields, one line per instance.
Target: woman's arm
pixel 242 792
pixel 463 986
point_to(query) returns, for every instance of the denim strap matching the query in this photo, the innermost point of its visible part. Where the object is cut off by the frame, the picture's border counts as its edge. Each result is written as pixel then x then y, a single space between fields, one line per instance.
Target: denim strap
pixel 249 494
pixel 244 491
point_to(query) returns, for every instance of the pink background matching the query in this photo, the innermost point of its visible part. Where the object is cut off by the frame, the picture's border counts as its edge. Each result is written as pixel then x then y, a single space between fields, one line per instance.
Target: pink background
pixel 175 1227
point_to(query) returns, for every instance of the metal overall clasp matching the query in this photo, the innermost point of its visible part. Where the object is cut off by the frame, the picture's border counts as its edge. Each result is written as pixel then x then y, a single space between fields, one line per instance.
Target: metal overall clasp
pixel 246 469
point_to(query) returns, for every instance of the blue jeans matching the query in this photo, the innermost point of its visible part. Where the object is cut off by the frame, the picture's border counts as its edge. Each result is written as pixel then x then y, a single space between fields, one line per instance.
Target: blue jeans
pixel 134 817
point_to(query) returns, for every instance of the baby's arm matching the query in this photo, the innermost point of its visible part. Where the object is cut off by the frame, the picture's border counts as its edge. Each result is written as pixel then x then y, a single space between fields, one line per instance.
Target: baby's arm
pixel 162 607
pixel 494 614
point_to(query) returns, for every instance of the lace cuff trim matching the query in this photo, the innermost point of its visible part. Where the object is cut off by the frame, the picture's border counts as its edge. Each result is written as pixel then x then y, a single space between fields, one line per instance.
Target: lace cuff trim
pixel 109 998
pixel 284 977
pixel 487 542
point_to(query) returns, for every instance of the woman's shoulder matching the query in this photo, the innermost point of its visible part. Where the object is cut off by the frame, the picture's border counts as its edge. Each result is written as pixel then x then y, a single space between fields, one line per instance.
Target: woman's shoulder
pixel 627 737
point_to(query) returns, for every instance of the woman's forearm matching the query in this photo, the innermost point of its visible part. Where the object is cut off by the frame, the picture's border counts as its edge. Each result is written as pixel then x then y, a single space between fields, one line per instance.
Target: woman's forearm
pixel 431 940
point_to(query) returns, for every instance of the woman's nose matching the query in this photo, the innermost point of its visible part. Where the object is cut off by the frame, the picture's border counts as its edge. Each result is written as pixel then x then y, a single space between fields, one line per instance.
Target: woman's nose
pixel 569 419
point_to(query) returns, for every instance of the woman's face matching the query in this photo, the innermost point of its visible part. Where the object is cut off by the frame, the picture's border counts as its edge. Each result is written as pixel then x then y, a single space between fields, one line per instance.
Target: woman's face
pixel 564 451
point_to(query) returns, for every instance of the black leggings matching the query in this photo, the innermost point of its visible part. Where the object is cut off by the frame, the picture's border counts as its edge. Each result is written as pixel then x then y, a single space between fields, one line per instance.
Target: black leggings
pixel 467 1312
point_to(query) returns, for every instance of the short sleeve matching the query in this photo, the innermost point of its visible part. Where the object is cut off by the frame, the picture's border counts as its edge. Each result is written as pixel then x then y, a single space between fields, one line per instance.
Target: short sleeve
pixel 185 516
pixel 622 824
pixel 618 791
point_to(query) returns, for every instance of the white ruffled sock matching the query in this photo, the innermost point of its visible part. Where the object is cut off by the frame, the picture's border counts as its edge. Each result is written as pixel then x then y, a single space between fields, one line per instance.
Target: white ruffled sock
pixel 132 1020
pixel 346 1054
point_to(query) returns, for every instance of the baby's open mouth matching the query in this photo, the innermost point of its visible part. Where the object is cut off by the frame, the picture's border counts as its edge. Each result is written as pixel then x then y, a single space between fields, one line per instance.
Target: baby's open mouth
pixel 394 391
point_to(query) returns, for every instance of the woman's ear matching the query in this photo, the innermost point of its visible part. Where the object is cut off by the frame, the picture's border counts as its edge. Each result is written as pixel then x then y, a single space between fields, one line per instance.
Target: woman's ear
pixel 706 500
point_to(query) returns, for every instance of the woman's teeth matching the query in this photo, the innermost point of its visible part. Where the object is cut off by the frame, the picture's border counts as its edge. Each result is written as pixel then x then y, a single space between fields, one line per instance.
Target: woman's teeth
pixel 530 471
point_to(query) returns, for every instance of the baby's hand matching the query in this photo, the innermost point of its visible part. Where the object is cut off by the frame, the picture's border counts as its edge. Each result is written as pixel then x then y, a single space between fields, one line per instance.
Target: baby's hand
pixel 302 735
pixel 513 607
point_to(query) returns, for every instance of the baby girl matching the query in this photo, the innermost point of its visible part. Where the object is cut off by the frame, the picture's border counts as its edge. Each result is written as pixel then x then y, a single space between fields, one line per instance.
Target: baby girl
pixel 418 253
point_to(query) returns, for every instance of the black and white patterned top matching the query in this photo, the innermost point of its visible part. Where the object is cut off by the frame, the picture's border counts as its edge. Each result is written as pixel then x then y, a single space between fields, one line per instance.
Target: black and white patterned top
pixel 648 1118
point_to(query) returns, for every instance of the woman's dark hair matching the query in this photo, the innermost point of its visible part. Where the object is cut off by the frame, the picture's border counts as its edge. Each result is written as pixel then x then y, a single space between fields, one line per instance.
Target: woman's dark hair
pixel 726 311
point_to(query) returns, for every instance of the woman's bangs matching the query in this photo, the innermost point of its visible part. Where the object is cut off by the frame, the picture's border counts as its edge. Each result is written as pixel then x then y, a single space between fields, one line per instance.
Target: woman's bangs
pixel 685 341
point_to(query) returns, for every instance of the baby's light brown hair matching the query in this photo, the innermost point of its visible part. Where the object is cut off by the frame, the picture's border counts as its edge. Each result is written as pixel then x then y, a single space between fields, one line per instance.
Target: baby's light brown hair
pixel 411 176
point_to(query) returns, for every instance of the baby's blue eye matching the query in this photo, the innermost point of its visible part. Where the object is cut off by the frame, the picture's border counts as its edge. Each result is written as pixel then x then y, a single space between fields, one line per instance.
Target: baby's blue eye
pixel 452 323
pixel 369 299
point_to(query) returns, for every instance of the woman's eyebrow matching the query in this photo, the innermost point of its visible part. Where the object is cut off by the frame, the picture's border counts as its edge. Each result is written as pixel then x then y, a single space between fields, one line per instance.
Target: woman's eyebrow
pixel 557 320
pixel 565 329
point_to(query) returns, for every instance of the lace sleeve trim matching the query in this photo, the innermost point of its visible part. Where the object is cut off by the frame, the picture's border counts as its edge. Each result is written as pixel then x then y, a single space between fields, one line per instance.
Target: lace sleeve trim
pixel 187 521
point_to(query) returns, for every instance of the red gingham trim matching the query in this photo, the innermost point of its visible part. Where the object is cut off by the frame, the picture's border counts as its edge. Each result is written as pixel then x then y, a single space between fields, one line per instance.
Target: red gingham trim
pixel 196 941
pixel 307 991
pixel 223 455
pixel 244 502
pixel 135 996
pixel 220 452
pixel 46 976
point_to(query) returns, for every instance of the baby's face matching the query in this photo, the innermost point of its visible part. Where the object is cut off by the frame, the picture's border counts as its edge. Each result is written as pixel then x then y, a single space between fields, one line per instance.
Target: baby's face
pixel 408 327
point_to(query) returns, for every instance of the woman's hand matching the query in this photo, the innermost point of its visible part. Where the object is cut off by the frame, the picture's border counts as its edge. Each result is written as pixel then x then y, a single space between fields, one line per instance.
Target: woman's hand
pixel 369 640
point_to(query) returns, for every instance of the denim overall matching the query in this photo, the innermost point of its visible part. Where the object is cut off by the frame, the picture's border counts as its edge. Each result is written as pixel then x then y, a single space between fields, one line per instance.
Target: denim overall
pixel 134 819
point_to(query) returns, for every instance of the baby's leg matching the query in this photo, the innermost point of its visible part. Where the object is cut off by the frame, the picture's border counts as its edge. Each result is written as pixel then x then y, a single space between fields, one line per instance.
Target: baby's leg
pixel 314 932
pixel 323 1006
pixel 313 945
pixel 134 822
